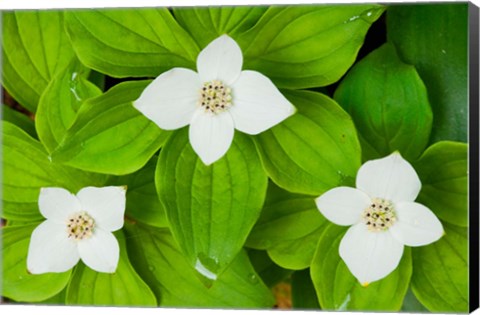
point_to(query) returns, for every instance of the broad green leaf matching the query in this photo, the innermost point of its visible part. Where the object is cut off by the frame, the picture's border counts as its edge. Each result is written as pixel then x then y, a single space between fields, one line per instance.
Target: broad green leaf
pixel 314 150
pixel 309 45
pixel 35 47
pixel 58 299
pixel 303 291
pixel 338 289
pixel 440 272
pixel 269 272
pixel 122 288
pixel 288 228
pixel 443 171
pixel 411 304
pixel 60 102
pixel 109 135
pixel 130 43
pixel 17 283
pixel 159 261
pixel 27 168
pixel 389 105
pixel 211 209
pixel 434 38
pixel 143 204
pixel 207 23
pixel 19 119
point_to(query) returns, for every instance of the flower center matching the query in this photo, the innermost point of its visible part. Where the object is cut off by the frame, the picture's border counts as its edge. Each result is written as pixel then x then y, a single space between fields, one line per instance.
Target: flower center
pixel 80 226
pixel 379 215
pixel 215 97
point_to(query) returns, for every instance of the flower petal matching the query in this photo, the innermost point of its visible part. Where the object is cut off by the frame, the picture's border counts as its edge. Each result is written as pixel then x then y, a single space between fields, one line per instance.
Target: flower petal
pixel 50 249
pixel 100 252
pixel 171 99
pixel 370 256
pixel 257 104
pixel 343 205
pixel 57 204
pixel 211 135
pixel 416 225
pixel 105 204
pixel 391 178
pixel 222 59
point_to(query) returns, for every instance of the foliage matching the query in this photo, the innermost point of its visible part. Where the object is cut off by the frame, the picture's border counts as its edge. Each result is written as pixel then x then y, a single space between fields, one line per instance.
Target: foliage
pixel 222 235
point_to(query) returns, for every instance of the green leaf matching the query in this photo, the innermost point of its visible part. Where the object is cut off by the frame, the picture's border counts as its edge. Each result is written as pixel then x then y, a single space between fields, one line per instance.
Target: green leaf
pixel 443 171
pixel 207 23
pixel 288 228
pixel 122 288
pixel 35 47
pixel 314 150
pixel 17 283
pixel 19 119
pixel 143 204
pixel 157 258
pixel 130 43
pixel 109 135
pixel 307 46
pixel 269 272
pixel 27 168
pixel 411 304
pixel 60 102
pixel 338 289
pixel 211 209
pixel 434 38
pixel 58 299
pixel 389 105
pixel 303 291
pixel 440 272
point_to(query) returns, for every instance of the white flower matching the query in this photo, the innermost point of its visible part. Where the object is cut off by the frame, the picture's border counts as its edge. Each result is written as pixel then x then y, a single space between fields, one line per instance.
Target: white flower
pixel 77 226
pixel 215 101
pixel 383 215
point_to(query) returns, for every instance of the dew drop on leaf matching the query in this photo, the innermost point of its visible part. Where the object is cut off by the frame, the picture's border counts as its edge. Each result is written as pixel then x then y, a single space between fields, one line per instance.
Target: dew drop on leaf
pixel 253 278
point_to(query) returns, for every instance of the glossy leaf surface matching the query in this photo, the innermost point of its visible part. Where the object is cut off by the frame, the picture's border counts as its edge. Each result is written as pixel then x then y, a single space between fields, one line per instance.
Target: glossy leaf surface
pixel 389 105
pixel 156 256
pixel 130 43
pixel 109 135
pixel 35 48
pixel 314 150
pixel 212 208
pixel 307 46
pixel 443 170
pixel 434 38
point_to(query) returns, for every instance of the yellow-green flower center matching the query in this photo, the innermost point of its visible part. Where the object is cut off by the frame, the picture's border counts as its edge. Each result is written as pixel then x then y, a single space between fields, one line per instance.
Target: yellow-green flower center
pixel 215 97
pixel 379 215
pixel 80 226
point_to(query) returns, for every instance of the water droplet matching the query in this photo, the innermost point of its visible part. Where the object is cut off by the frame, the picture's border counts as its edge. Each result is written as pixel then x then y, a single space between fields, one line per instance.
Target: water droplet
pixel 204 271
pixel 253 278
pixel 353 18
pixel 371 15
pixel 344 304
pixel 151 268
pixel 49 158
pixel 73 89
